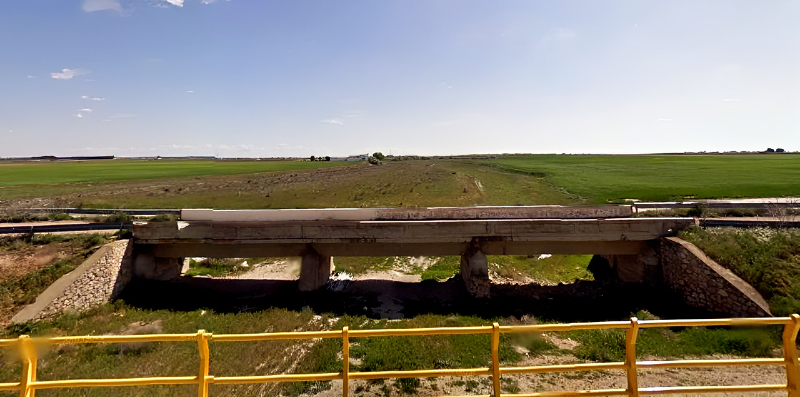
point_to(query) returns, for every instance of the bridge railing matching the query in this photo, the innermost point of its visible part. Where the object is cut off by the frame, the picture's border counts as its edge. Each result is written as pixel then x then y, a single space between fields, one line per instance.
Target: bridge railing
pixel 28 383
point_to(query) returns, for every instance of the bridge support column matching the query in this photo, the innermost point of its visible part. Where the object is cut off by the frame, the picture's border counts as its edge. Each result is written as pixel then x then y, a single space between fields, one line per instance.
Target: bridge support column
pixel 315 270
pixel 475 272
pixel 642 268
pixel 148 266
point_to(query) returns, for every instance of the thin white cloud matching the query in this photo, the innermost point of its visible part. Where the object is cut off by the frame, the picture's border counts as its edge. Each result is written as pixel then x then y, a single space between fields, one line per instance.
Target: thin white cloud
pixel 31 77
pixel 67 74
pixel 208 1
pixel 99 5
pixel 176 3
pixel 87 110
pixel 662 119
pixel 559 35
pixel 190 92
pixel 95 99
pixel 78 115
pixel 332 121
pixel 123 116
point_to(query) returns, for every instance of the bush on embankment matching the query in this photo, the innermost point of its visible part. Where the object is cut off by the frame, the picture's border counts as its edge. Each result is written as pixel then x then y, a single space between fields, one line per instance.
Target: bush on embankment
pixel 768 259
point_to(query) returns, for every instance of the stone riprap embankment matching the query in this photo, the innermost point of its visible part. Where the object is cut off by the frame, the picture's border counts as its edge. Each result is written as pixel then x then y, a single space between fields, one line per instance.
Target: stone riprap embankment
pixel 96 281
pixel 705 284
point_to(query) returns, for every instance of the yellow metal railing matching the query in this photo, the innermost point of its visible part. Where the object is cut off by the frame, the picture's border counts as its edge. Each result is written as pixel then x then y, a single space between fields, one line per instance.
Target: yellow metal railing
pixel 28 383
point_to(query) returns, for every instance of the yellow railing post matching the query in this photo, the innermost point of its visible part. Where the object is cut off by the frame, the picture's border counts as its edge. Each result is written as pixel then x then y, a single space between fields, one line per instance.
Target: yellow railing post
pixel 345 363
pixel 205 362
pixel 28 353
pixel 630 358
pixel 496 359
pixel 790 355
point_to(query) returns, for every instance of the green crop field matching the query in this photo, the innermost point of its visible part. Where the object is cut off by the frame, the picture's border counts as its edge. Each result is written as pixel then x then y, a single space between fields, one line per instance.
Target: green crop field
pixel 15 174
pixel 507 180
pixel 603 178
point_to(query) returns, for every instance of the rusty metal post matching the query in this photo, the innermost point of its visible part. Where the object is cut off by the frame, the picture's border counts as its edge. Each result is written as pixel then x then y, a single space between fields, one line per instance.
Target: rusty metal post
pixel 630 358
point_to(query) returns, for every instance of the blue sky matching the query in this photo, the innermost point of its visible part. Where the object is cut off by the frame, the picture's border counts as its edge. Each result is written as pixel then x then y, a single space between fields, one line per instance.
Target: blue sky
pixel 335 77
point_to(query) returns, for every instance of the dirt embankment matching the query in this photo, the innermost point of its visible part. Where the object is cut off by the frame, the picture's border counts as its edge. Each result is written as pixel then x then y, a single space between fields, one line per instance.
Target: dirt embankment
pixel 18 262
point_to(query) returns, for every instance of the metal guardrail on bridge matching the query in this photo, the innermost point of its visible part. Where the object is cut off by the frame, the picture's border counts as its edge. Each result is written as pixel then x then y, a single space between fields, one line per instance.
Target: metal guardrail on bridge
pixel 29 384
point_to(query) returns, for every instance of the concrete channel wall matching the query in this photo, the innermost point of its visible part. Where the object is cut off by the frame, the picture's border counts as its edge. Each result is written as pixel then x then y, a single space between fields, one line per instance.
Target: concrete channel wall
pixel 705 284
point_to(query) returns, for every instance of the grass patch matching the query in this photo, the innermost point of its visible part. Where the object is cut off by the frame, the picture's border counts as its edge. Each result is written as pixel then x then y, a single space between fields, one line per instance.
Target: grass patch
pixel 355 265
pixel 444 268
pixel 554 268
pixel 612 178
pixel 405 353
pixel 768 259
pixel 609 345
pixel 217 267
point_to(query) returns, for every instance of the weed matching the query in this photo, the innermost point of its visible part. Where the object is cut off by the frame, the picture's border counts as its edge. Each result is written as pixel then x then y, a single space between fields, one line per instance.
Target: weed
pixel 443 269
pixel 407 386
pixel 164 218
pixel 600 345
pixel 216 267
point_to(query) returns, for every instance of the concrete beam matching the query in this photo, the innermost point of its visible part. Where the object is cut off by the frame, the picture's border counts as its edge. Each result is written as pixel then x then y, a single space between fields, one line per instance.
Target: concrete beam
pixel 233 249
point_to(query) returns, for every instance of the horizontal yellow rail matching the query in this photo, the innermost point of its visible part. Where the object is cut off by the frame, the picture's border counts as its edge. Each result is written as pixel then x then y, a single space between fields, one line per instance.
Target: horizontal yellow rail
pixel 28 383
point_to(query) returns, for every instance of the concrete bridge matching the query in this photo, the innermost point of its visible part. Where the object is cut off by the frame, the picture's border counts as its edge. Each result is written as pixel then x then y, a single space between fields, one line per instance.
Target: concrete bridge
pixel 634 250
pixel 319 235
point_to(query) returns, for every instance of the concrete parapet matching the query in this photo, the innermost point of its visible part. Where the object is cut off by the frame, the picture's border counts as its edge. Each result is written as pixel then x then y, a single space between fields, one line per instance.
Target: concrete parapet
pixel 705 284
pixel 97 280
pixel 430 213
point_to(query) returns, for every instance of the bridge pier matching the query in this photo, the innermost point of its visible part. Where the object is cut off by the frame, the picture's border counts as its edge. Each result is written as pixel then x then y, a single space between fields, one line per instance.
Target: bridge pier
pixel 315 270
pixel 475 272
pixel 148 266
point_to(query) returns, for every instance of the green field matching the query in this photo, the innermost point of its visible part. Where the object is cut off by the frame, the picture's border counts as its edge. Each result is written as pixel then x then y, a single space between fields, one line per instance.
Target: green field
pixel 507 180
pixel 45 173
pixel 600 179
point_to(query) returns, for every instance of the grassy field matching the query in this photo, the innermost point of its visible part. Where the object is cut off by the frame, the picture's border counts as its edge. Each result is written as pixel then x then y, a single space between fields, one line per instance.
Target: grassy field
pixel 507 180
pixel 600 179
pixel 393 184
pixel 48 173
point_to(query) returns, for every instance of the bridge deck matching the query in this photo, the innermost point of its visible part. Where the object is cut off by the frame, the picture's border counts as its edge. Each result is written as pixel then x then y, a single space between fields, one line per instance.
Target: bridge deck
pixel 411 238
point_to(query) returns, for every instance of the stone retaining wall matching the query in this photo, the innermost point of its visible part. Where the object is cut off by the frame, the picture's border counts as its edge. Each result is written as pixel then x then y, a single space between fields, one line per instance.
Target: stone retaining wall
pixel 705 284
pixel 96 281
